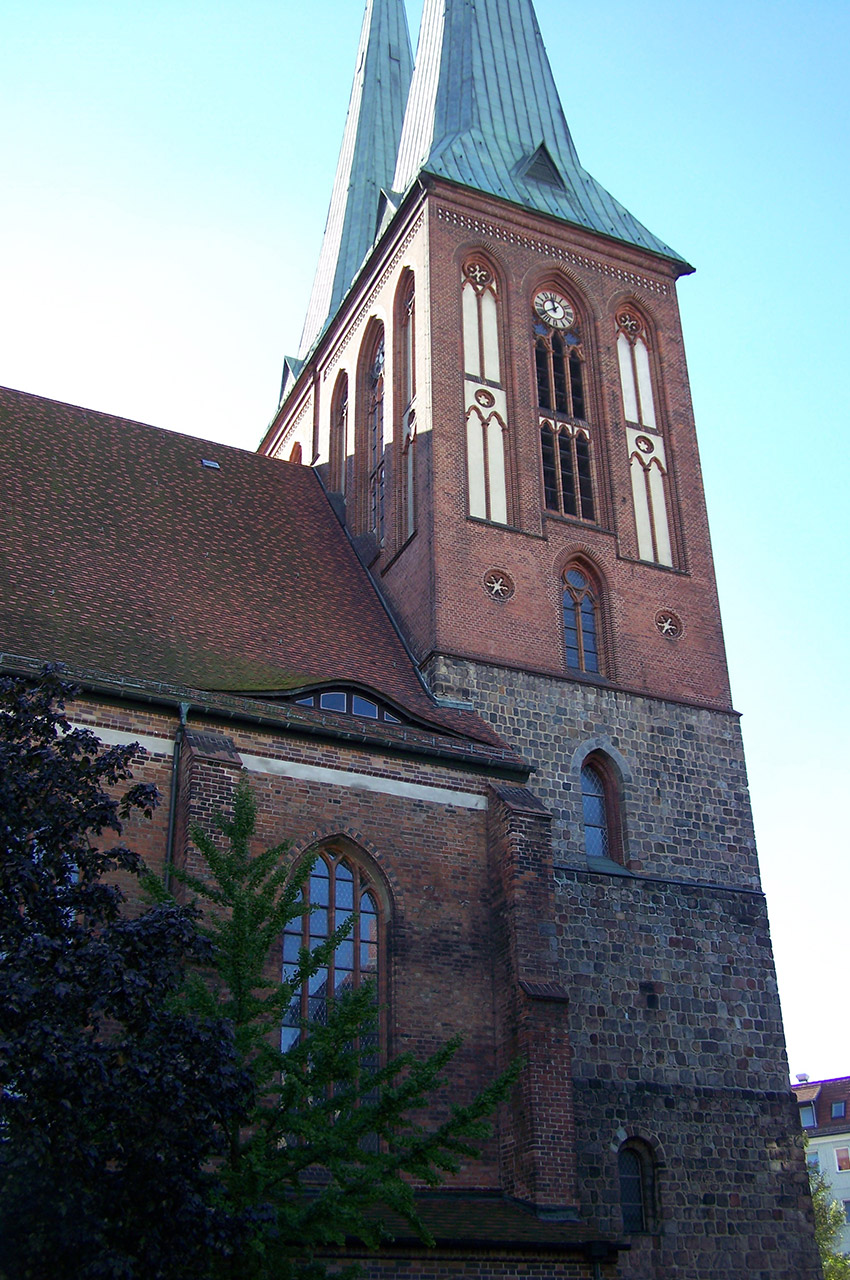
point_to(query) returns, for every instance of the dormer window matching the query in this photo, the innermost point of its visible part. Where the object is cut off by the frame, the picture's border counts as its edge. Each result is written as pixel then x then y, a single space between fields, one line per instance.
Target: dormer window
pixel 348 703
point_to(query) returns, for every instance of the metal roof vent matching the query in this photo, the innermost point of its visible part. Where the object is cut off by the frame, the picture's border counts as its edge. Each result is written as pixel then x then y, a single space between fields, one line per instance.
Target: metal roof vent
pixel 803 1077
pixel 542 168
pixel 208 462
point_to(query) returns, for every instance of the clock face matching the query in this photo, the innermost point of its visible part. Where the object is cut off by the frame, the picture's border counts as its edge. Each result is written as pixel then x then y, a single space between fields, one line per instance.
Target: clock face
pixel 554 310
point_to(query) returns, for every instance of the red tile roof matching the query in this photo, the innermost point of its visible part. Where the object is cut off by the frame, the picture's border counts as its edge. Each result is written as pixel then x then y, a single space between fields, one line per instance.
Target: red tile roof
pixel 123 552
pixel 822 1094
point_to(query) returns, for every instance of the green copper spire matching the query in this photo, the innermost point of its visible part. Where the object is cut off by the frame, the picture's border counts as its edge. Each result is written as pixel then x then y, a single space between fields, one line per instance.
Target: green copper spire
pixel 484 112
pixel 366 159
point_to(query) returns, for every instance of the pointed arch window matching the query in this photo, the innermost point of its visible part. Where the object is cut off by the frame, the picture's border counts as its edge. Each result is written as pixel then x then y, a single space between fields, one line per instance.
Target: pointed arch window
pixel 601 808
pixel 337 888
pixel 581 620
pixel 597 839
pixel 647 453
pixel 406 330
pixel 635 375
pixel 638 1191
pixel 375 378
pixel 565 435
pixel 484 394
pixel 339 435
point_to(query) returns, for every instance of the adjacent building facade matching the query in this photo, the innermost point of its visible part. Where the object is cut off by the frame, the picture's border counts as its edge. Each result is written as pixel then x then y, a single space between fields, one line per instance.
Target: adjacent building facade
pixel 825 1119
pixel 458 621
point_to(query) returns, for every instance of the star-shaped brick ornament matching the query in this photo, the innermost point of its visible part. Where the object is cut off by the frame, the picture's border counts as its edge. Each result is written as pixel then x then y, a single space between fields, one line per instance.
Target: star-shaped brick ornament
pixel 498 585
pixel 668 624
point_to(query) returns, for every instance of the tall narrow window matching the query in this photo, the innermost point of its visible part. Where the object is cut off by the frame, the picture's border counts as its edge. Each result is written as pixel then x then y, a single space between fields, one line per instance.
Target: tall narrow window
pixel 635 377
pixel 631 1191
pixel 339 435
pixel 581 621
pixel 597 841
pixel 406 331
pixel 336 889
pixel 647 454
pixel 636 1172
pixel 485 399
pixel 374 406
pixel 565 444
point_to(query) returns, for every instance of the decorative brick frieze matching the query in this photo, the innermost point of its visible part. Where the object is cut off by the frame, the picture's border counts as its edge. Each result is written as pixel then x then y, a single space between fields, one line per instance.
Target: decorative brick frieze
pixel 502 232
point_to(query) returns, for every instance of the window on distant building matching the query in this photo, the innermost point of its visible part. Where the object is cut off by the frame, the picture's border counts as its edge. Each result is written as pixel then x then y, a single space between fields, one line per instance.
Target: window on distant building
pixel 839 1110
pixel 581 620
pixel 565 445
pixel 847 1210
pixel 337 888
pixel 842 1159
pixel 813 1160
pixel 807 1115
pixel 484 393
pixel 636 1170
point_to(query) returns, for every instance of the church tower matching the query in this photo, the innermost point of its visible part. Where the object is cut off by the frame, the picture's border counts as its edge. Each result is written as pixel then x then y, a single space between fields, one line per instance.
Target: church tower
pixel 492 387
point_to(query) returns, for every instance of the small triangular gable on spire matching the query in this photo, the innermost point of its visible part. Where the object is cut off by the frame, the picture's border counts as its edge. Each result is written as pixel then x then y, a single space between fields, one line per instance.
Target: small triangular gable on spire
pixel 542 168
pixel 484 112
pixel 366 159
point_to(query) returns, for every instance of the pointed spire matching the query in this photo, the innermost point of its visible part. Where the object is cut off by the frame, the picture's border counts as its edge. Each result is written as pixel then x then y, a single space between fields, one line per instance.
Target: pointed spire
pixel 484 112
pixel 366 158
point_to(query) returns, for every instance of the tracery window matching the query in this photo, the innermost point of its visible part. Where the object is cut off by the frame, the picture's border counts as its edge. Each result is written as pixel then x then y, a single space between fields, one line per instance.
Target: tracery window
pixel 406 327
pixel 567 476
pixel 581 620
pixel 647 453
pixel 337 888
pixel 565 438
pixel 485 398
pixel 339 434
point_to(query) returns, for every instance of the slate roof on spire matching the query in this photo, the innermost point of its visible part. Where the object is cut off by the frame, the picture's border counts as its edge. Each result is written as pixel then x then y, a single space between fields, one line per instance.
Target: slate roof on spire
pixel 366 159
pixel 484 112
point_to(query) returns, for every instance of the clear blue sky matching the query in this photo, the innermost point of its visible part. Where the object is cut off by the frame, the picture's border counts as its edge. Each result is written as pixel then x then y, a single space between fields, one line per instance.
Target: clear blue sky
pixel 166 172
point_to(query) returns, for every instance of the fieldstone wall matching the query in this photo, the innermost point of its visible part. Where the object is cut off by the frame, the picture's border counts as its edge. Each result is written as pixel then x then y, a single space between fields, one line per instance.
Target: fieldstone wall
pixel 684 804
pixel 674 1017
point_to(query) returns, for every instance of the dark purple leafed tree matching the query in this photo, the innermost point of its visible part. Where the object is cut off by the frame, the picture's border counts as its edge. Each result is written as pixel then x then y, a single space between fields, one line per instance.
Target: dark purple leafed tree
pixel 113 1099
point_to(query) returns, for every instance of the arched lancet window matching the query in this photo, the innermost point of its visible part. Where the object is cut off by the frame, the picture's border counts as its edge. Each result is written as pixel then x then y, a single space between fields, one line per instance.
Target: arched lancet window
pixel 372 464
pixel 635 376
pixel 581 620
pixel 565 437
pixel 406 336
pixel 339 434
pixel 337 888
pixel 636 1171
pixel 647 454
pixel 485 398
pixel 594 809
